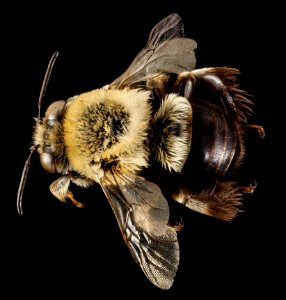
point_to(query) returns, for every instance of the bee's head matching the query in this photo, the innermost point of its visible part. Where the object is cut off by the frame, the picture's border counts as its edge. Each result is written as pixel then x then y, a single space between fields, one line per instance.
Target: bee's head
pixel 48 138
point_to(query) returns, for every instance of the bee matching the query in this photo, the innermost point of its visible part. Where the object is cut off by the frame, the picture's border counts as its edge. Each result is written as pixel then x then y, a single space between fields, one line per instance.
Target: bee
pixel 161 131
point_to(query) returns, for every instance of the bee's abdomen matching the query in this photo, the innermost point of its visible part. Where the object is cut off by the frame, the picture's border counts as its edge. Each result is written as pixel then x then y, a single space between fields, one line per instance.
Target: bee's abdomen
pixel 217 140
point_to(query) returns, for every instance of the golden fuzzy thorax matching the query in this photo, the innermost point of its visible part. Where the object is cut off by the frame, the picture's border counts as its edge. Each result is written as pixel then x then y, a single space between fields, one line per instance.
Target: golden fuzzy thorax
pixel 105 128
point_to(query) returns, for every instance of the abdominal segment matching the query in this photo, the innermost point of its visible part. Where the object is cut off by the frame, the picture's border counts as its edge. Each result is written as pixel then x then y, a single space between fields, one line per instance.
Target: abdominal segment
pixel 217 148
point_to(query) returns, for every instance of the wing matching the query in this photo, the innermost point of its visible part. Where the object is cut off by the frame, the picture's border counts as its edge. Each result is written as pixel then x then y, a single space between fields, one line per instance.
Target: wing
pixel 142 214
pixel 167 50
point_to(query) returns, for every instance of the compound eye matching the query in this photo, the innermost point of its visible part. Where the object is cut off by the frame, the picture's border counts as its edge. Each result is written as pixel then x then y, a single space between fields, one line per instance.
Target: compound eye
pixel 48 162
pixel 54 110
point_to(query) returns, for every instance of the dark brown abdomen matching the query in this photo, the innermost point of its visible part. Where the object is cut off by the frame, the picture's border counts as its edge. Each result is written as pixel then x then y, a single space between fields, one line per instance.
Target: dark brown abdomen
pixel 217 147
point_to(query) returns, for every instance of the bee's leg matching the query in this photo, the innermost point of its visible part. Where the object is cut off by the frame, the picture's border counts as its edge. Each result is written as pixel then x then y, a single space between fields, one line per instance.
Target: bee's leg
pixel 258 128
pixel 163 84
pixel 60 189
pixel 80 181
pixel 218 79
pixel 221 82
pixel 248 189
pixel 73 200
pixel 222 202
pixel 184 84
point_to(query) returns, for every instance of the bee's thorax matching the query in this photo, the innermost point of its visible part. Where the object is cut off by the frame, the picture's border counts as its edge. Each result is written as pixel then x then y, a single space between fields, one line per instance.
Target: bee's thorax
pixel 107 127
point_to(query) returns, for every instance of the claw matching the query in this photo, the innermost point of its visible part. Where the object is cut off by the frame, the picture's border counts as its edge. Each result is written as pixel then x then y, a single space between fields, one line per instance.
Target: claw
pixel 249 189
pixel 259 129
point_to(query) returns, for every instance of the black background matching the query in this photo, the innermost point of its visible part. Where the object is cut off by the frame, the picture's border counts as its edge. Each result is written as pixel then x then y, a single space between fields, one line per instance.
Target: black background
pixel 55 249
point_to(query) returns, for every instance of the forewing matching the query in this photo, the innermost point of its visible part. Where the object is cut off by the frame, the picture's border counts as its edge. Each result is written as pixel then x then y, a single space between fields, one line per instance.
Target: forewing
pixel 142 214
pixel 167 50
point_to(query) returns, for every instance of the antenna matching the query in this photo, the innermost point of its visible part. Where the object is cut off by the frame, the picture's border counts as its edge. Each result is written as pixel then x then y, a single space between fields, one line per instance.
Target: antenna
pixel 46 81
pixel 34 147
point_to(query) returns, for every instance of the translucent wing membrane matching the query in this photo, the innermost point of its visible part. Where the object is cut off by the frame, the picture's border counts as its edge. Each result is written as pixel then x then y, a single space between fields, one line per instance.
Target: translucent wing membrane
pixel 167 50
pixel 169 28
pixel 142 214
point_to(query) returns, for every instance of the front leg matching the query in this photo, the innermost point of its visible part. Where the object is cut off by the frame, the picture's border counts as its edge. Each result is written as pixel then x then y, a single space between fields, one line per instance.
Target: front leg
pixel 60 188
